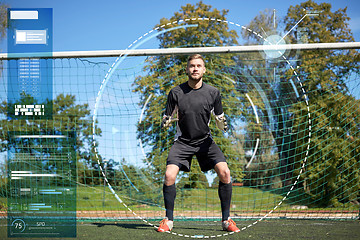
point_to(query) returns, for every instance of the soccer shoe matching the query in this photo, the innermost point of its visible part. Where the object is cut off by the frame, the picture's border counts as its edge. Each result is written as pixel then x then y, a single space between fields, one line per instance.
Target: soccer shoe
pixel 230 226
pixel 165 225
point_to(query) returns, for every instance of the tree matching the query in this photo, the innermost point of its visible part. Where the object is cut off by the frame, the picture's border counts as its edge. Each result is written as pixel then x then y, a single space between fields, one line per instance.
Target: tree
pixel 3 24
pixel 333 157
pixel 334 140
pixel 166 72
pixel 3 20
pixel 332 175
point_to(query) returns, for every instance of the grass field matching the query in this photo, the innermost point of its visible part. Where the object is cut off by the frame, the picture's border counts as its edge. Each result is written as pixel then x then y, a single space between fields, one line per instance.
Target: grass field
pixel 201 199
pixel 90 198
pixel 267 229
pixel 245 200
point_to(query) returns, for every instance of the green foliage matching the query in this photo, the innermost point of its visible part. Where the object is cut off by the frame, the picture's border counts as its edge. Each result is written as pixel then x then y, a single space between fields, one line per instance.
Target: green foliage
pixel 265 165
pixel 3 20
pixel 266 77
pixel 332 175
pixel 3 25
pixel 263 23
pixel 166 72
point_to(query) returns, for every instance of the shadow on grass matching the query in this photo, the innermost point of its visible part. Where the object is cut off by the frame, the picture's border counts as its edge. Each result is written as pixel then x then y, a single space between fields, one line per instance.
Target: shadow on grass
pixel 123 225
pixel 179 227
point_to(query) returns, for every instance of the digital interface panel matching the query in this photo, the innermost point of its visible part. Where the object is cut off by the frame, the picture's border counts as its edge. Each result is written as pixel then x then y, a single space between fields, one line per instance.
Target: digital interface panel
pixel 30 79
pixel 42 173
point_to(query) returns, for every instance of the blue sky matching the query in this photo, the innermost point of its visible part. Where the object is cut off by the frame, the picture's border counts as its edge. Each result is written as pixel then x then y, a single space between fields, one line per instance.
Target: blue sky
pixel 81 25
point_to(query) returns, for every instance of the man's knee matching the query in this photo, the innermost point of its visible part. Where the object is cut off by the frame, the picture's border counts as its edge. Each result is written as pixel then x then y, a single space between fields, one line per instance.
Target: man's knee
pixel 170 174
pixel 223 172
pixel 170 178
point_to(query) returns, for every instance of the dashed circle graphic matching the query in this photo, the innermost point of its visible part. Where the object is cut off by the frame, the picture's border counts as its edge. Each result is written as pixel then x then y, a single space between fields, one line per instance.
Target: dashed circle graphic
pixel 267 41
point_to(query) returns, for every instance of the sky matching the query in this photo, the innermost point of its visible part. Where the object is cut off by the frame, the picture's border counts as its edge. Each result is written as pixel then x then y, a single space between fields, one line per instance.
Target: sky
pixel 85 25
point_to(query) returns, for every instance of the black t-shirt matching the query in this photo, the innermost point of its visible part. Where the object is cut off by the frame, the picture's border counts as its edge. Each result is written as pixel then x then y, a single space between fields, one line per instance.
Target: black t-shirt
pixel 194 108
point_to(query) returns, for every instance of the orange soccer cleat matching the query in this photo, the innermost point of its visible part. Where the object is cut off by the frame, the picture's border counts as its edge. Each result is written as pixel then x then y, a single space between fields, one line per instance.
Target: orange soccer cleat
pixel 230 226
pixel 165 225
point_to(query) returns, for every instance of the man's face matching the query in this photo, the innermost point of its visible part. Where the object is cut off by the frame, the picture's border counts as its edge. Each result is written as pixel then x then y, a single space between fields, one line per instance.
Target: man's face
pixel 195 69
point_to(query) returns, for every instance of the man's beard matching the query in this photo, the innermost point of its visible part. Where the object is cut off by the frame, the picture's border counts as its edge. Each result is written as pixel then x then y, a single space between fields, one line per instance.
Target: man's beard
pixel 196 79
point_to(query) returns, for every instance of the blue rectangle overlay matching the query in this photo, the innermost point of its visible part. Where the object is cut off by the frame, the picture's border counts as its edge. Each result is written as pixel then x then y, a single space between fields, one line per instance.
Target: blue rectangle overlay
pixel 30 79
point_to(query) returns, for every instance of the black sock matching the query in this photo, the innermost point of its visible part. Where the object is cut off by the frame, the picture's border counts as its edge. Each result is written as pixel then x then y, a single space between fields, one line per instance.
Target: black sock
pixel 225 191
pixel 169 200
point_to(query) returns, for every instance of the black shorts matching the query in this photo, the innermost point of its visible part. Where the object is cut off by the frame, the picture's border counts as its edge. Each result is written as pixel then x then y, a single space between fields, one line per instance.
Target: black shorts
pixel 207 153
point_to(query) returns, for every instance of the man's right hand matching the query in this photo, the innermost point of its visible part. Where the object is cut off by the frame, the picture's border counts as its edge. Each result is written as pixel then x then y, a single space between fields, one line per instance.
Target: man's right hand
pixel 167 121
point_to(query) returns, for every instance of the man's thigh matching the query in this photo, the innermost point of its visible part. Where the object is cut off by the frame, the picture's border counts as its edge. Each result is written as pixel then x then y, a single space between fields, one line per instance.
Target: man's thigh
pixel 181 155
pixel 209 155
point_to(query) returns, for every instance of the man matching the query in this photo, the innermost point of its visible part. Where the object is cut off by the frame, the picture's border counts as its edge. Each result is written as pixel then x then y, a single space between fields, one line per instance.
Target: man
pixel 194 101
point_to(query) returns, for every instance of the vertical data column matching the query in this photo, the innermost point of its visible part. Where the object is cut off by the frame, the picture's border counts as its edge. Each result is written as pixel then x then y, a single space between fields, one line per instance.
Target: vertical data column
pixel 42 173
pixel 29 76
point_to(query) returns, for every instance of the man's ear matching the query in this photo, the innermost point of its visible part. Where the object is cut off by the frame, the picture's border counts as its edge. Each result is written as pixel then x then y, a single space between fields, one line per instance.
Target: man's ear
pixel 204 69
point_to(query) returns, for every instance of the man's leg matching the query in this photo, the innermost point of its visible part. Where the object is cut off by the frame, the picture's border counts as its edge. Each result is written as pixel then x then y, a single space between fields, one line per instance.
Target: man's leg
pixel 169 190
pixel 179 154
pixel 225 188
pixel 225 191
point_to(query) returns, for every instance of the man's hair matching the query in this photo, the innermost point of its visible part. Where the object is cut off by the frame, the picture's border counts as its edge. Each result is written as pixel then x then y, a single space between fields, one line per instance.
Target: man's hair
pixel 196 56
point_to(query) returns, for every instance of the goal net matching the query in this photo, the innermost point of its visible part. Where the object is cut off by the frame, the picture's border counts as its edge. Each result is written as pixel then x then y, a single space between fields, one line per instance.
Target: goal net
pixel 292 144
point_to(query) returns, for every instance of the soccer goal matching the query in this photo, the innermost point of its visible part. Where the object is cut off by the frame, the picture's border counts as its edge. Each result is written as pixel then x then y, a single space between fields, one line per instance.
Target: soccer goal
pixel 292 144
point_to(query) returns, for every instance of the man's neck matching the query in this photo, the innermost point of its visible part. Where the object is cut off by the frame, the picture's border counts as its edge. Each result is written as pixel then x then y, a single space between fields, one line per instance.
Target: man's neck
pixel 195 84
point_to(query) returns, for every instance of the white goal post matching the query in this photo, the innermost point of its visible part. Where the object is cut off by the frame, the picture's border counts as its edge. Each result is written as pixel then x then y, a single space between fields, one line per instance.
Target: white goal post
pixel 184 51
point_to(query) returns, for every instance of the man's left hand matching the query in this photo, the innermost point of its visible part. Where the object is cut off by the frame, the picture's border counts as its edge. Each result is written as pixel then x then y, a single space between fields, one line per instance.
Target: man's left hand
pixel 167 121
pixel 221 123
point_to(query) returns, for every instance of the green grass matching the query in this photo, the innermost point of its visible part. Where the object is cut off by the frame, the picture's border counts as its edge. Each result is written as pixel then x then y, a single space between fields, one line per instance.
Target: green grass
pixel 199 199
pixel 93 198
pixel 244 198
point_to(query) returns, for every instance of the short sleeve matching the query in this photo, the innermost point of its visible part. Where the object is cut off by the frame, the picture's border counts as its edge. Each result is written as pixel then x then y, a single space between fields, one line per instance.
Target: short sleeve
pixel 218 109
pixel 170 104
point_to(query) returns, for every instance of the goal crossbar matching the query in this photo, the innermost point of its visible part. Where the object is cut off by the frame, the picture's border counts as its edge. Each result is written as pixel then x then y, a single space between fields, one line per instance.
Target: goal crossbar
pixel 184 51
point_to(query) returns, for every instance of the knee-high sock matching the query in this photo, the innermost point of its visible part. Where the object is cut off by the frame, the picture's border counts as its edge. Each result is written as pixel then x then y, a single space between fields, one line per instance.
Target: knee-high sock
pixel 169 200
pixel 225 191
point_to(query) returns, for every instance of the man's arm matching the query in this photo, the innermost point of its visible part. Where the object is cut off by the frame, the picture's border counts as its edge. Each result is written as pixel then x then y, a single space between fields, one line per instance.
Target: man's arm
pixel 170 111
pixel 219 114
